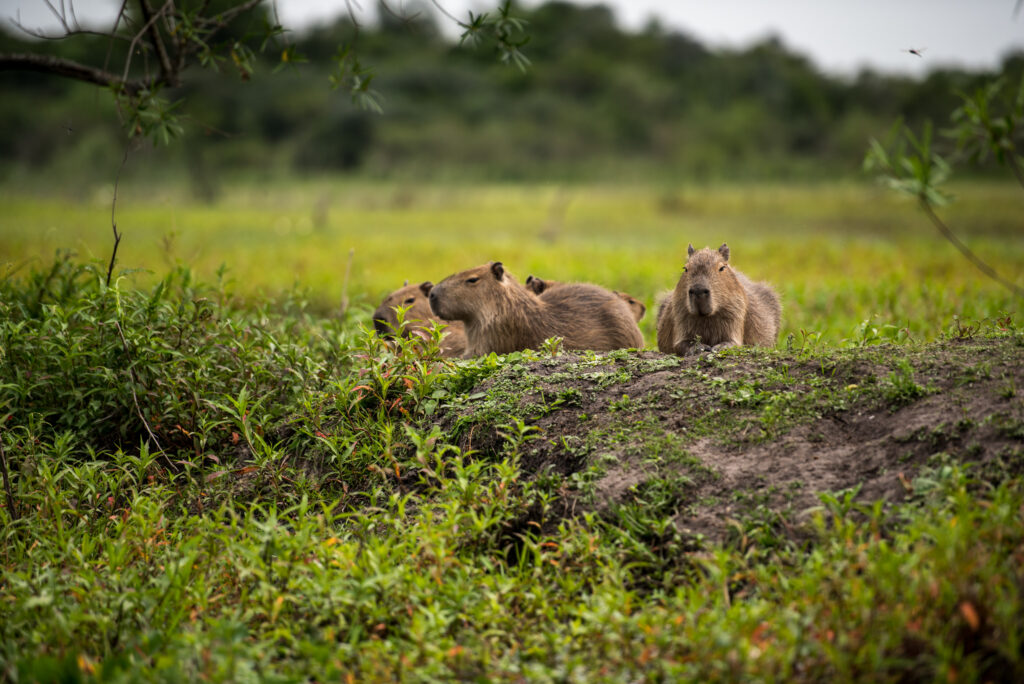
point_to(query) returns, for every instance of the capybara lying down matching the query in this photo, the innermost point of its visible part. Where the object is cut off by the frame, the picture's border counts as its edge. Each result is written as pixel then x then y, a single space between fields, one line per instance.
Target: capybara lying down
pixel 715 306
pixel 418 318
pixel 540 286
pixel 502 316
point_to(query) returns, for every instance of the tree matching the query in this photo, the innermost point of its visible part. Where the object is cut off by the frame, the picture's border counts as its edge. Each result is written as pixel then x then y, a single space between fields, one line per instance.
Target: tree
pixel 156 46
pixel 989 122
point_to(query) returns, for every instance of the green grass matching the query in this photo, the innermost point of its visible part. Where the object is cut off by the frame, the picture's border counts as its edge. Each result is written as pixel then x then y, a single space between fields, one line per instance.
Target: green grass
pixel 295 516
pixel 840 254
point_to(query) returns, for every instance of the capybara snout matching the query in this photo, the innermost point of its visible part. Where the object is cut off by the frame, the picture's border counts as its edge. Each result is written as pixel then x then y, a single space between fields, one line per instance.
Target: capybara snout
pixel 417 318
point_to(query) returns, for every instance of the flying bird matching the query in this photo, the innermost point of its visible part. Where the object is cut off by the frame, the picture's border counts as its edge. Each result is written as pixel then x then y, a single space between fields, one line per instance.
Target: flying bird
pixel 916 51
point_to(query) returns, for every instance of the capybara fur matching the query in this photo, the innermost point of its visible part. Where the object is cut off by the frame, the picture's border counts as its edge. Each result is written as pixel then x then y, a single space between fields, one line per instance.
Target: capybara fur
pixel 540 286
pixel 418 318
pixel 502 315
pixel 714 306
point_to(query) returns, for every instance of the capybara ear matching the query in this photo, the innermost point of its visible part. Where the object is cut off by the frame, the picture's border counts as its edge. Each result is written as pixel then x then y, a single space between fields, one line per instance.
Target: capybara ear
pixel 724 251
pixel 690 250
pixel 535 284
pixel 425 287
pixel 498 270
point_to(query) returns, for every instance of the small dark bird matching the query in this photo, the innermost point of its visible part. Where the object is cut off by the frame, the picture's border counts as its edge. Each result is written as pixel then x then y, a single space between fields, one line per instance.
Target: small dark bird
pixel 916 51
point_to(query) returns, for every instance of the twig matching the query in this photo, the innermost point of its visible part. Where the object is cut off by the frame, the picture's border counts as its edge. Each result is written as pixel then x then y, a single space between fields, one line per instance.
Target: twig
pixel 135 381
pixel 168 75
pixel 135 39
pixel 966 251
pixel 113 223
pixel 7 483
pixel 344 286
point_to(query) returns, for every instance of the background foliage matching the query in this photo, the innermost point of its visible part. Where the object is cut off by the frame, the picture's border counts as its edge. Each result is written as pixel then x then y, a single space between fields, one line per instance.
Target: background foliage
pixel 597 101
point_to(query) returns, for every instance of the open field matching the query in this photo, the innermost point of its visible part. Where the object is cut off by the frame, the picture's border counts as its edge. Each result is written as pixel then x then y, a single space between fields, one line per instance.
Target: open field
pixel 839 253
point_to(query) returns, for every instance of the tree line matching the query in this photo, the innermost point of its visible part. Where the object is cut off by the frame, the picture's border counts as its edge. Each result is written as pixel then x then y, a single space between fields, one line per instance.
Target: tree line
pixel 595 101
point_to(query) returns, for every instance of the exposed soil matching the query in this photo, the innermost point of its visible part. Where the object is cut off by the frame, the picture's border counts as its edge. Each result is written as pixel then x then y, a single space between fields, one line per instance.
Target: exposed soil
pixel 753 433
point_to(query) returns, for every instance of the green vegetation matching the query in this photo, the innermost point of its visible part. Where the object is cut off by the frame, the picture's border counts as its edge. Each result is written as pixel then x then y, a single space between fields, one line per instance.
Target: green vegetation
pixel 206 488
pixel 597 102
pixel 840 254
pixel 213 469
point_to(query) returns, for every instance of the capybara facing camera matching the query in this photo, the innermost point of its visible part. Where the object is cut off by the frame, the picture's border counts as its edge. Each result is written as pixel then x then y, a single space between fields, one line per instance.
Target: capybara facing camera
pixel 715 306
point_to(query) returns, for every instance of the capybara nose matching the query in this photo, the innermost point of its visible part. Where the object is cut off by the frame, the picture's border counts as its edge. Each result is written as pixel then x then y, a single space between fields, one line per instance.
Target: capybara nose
pixel 382 327
pixel 699 292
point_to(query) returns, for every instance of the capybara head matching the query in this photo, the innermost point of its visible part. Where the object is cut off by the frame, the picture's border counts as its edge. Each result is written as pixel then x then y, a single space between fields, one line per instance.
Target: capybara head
pixel 635 305
pixel 477 294
pixel 706 280
pixel 417 315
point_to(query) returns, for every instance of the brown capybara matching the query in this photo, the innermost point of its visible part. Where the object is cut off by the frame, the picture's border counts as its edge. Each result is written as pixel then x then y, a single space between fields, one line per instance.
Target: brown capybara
pixel 540 286
pixel 715 306
pixel 418 318
pixel 502 316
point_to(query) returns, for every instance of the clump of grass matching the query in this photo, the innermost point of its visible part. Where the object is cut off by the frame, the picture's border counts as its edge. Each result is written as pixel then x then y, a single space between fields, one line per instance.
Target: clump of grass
pixel 901 388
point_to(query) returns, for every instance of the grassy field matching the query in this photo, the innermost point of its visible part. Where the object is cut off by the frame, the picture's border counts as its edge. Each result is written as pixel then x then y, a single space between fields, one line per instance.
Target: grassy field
pixel 231 488
pixel 839 253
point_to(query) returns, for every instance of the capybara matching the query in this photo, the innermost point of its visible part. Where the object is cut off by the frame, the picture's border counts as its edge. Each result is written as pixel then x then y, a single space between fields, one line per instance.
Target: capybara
pixel 501 315
pixel 715 306
pixel 540 286
pixel 418 318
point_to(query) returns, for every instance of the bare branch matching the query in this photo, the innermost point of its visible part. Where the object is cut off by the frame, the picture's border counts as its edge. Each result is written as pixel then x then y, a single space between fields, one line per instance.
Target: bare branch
pixel 168 74
pixel 966 251
pixel 67 68
pixel 224 18
pixel 135 40
pixel 113 222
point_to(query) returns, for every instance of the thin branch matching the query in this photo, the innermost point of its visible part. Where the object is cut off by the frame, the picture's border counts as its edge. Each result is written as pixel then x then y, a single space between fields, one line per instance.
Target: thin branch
pixel 169 76
pixel 113 32
pixel 113 223
pixel 966 251
pixel 224 18
pixel 443 10
pixel 7 483
pixel 58 66
pixel 135 39
pixel 135 381
pixel 36 33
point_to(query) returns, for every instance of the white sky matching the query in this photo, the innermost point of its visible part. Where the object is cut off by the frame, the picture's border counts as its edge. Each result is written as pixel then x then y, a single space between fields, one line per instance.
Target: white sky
pixel 840 36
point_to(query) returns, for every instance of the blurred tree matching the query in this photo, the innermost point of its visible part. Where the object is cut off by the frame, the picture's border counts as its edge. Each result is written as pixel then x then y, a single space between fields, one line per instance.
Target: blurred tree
pixel 155 46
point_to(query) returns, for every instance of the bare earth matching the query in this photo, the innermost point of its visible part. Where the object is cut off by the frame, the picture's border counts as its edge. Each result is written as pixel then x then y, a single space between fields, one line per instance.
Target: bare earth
pixel 750 433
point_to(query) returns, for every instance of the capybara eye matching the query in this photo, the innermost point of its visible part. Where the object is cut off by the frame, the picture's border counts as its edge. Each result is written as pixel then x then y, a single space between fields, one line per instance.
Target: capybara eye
pixel 722 268
pixel 472 280
pixel 410 300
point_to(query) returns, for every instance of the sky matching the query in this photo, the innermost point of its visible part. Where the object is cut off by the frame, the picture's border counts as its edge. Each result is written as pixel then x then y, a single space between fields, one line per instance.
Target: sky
pixel 840 36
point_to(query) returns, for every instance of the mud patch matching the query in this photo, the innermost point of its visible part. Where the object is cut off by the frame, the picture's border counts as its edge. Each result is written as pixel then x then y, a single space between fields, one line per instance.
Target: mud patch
pixel 718 439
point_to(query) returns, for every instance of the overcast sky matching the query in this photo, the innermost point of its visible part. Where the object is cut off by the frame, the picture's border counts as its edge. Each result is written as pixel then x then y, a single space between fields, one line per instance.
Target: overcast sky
pixel 840 36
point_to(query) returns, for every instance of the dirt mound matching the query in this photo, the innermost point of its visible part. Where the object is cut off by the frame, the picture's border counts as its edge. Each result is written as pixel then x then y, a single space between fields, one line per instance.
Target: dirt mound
pixel 752 434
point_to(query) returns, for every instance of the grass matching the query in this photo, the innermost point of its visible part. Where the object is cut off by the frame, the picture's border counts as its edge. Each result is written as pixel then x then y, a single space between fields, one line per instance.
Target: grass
pixel 213 484
pixel 839 253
